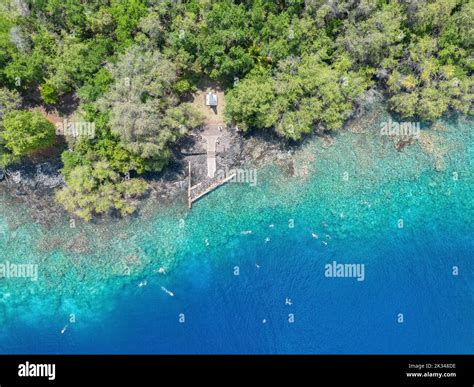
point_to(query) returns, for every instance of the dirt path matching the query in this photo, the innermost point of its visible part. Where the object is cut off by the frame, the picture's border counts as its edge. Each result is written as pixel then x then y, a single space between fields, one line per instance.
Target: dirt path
pixel 212 116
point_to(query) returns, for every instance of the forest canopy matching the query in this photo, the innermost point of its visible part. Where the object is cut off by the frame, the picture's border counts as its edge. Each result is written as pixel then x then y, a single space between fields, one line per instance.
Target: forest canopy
pixel 292 67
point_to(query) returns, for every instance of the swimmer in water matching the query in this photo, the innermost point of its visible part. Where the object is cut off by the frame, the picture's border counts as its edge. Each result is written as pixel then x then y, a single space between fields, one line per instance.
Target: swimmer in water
pixel 143 283
pixel 169 293
pixel 267 239
pixel 64 329
pixel 206 242
pixel 314 235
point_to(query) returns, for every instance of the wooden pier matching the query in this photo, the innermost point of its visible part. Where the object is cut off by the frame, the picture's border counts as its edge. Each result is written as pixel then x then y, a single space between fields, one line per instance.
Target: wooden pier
pixel 204 187
pixel 211 156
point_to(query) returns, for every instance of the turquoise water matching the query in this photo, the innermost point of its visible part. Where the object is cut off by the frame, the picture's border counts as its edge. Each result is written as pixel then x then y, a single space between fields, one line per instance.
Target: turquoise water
pixel 353 194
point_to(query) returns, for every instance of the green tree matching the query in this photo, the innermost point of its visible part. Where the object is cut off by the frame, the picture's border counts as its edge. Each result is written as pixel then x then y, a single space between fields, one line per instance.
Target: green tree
pixel 9 100
pixel 225 34
pixel 144 112
pixel 97 189
pixel 26 131
pixel 369 40
pixel 302 94
pixel 251 103
pixel 434 74
pixel 76 62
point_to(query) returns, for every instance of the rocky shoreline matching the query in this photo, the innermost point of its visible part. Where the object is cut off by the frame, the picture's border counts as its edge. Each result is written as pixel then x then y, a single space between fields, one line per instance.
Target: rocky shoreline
pixel 34 183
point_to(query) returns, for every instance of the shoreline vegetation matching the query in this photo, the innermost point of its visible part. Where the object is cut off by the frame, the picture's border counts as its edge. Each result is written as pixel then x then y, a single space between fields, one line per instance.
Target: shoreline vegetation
pixel 130 70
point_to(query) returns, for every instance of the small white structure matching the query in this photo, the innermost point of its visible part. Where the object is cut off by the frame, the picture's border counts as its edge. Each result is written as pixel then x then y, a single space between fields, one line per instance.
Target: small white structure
pixel 211 99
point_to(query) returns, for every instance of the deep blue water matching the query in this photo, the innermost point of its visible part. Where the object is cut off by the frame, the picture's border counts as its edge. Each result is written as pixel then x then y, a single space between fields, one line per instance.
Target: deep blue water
pixel 224 313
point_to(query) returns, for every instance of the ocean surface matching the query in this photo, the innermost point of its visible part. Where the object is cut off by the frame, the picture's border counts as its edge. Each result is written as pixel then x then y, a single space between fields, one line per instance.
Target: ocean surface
pixel 246 267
